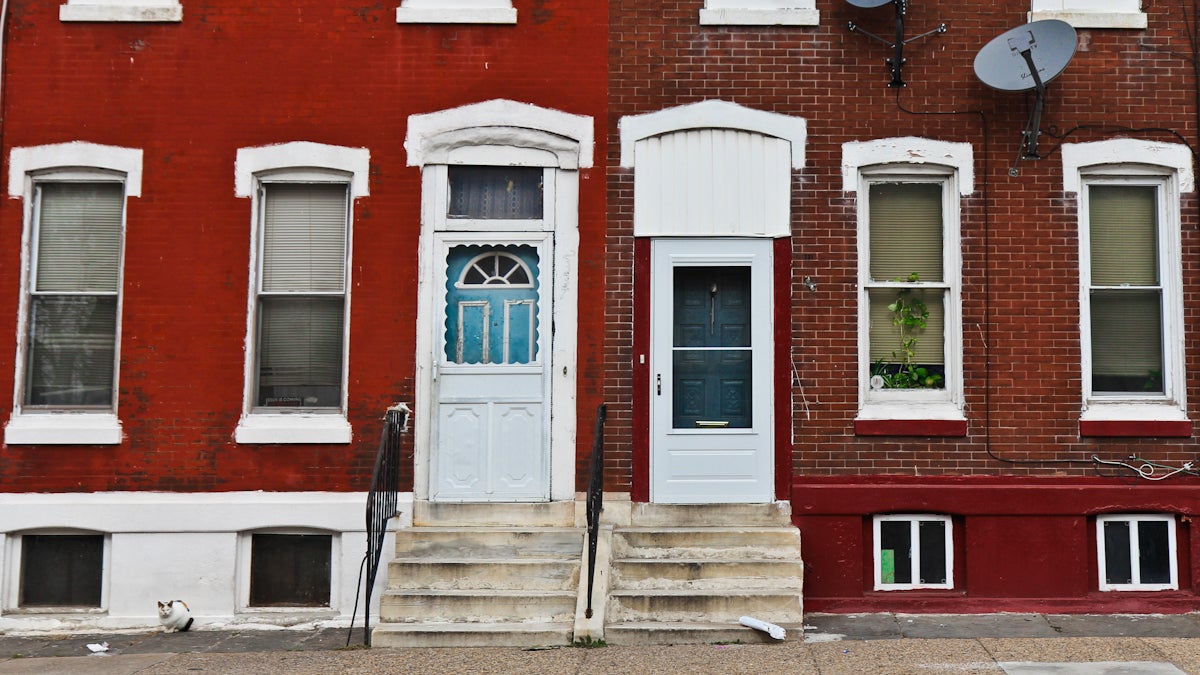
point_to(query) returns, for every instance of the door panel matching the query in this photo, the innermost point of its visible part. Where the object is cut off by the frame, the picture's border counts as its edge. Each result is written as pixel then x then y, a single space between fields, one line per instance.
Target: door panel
pixel 711 339
pixel 490 440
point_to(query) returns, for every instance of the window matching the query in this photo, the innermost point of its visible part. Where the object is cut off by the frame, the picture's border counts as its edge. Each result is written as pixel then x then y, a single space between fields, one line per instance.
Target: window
pixel 1131 302
pixel 1136 553
pixel 1091 13
pixel 121 10
pixel 61 570
pixel 913 551
pixel 298 305
pixel 760 13
pixel 73 242
pixel 290 570
pixel 456 11
pixel 910 353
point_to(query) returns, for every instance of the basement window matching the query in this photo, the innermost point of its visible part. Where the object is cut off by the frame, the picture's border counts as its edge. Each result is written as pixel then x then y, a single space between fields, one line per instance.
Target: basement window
pixel 62 571
pixel 1137 553
pixel 290 570
pixel 913 551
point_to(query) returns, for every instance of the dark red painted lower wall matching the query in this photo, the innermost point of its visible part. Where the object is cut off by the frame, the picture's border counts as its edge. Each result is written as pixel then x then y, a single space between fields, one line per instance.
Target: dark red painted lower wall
pixel 1021 544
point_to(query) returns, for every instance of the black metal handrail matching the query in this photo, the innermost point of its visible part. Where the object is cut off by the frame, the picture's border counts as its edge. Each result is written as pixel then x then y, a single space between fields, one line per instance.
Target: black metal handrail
pixel 382 502
pixel 595 499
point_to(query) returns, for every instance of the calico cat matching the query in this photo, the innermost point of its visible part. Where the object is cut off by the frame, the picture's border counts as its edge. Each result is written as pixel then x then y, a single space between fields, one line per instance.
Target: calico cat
pixel 175 615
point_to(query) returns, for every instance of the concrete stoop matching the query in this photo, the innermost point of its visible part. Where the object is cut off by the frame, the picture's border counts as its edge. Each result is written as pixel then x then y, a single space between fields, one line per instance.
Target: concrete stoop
pixel 469 586
pixel 687 574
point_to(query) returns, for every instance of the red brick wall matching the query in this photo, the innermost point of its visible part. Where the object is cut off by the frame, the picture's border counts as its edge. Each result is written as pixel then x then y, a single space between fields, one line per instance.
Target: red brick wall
pixel 1019 244
pixel 242 74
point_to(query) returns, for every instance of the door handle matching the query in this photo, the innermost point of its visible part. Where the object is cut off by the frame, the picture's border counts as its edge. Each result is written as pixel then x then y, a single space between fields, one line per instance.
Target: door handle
pixel 658 383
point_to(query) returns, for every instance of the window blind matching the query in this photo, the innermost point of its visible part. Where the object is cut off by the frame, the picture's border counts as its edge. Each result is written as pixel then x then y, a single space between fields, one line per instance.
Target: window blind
pixel 905 231
pixel 79 237
pixel 304 238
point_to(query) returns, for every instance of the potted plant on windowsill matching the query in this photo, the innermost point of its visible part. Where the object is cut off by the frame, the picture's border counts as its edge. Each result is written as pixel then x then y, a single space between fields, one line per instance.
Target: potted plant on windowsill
pixel 909 315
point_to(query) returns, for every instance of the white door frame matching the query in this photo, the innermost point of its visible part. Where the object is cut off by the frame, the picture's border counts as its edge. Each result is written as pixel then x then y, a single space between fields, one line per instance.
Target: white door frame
pixel 750 451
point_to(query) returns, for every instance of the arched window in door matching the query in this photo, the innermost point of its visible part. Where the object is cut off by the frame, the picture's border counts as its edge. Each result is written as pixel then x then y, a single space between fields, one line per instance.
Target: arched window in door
pixel 491 304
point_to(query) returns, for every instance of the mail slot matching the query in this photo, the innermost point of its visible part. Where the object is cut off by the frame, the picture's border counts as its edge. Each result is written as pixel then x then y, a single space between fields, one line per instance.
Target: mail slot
pixel 712 424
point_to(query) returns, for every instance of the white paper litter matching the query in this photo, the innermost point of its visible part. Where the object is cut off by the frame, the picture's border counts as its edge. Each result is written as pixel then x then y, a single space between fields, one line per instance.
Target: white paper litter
pixel 771 629
pixel 97 648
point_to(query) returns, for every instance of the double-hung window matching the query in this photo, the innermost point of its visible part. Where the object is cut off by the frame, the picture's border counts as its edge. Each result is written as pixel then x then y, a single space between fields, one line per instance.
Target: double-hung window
pixel 1131 306
pixel 296 369
pixel 73 250
pixel 909 281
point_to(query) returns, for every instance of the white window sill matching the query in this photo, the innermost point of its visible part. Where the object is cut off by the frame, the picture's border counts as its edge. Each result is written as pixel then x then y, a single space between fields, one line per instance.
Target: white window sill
pixel 1094 19
pixel 499 15
pixel 99 11
pixel 1099 410
pixel 759 17
pixel 293 428
pixel 63 429
pixel 924 418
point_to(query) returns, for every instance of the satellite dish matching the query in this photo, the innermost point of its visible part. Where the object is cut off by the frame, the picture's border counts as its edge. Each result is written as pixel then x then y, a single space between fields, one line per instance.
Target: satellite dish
pixel 1017 59
pixel 1025 58
pixel 896 63
pixel 868 4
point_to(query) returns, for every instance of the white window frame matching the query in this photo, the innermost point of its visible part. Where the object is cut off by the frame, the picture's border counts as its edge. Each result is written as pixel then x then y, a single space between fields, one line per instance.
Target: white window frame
pixel 1134 533
pixel 73 162
pixel 121 10
pixel 245 548
pixel 298 162
pixel 1091 13
pixel 12 559
pixel 912 160
pixel 456 11
pixel 914 521
pixel 1167 167
pixel 760 13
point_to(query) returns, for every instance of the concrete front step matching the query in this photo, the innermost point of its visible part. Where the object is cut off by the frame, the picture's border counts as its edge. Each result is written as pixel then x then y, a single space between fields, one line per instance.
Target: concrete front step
pixel 490 542
pixel 477 606
pixel 775 514
pixel 539 574
pixel 682 633
pixel 775 543
pixel 494 514
pixel 499 634
pixel 729 575
pixel 686 605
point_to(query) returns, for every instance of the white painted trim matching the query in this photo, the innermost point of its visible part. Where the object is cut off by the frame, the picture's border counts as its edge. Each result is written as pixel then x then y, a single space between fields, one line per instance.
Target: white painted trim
pixel 908 150
pixel 712 114
pixel 121 10
pixel 302 155
pixel 63 429
pixel 1127 152
pixel 185 545
pixel 1134 521
pixel 505 124
pixel 914 542
pixel 497 15
pixel 782 16
pixel 1090 13
pixel 293 428
pixel 73 155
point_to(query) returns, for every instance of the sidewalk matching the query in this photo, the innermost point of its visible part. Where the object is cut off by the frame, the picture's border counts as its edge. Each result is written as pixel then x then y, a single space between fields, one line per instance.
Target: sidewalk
pixel 1019 644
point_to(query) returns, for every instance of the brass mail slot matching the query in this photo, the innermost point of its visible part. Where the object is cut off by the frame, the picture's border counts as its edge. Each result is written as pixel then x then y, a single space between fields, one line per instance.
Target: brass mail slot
pixel 712 424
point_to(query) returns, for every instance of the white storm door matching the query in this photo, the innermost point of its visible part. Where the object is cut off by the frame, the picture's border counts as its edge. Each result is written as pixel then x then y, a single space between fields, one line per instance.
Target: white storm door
pixel 491 380
pixel 711 363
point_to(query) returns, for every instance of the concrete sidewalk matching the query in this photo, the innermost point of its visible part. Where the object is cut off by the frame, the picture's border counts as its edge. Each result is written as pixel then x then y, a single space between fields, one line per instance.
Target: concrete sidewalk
pixel 1022 644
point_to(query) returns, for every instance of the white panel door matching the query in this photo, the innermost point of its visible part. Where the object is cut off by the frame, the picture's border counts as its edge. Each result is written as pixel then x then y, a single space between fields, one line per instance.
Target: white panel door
pixel 711 364
pixel 491 429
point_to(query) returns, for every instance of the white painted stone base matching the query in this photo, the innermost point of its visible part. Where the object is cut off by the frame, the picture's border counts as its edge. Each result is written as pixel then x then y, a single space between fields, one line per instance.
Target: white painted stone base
pixel 193 547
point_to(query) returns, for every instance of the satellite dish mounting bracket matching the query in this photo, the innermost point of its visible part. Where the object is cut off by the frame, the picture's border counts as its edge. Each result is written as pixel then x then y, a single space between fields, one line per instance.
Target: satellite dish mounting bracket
pixel 896 63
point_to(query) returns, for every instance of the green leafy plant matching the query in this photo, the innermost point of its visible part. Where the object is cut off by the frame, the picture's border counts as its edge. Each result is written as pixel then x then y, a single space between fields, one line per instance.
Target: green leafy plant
pixel 910 314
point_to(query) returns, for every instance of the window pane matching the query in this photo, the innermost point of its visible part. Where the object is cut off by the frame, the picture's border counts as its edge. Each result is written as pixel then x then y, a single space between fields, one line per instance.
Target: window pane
pixel 933 551
pixel 895 545
pixel 1154 553
pixel 491 304
pixel 304 238
pixel 906 231
pixel 712 389
pixel 290 570
pixel 1127 341
pixel 61 570
pixel 71 351
pixel 495 192
pixel 79 237
pixel 1117 568
pixel 1124 235
pixel 712 307
pixel 300 351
